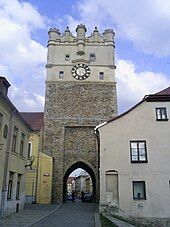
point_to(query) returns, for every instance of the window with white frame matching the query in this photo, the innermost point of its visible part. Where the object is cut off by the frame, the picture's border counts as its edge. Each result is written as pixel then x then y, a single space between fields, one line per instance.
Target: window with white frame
pixel 139 191
pixel 138 151
pixel 29 150
pixel 161 114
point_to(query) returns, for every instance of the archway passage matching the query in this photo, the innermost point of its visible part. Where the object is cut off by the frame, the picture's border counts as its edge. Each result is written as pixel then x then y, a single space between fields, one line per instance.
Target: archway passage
pixel 85 167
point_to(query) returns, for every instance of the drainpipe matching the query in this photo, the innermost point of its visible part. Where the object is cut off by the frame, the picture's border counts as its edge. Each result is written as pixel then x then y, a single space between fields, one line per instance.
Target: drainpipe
pixel 98 162
pixel 37 166
pixel 4 187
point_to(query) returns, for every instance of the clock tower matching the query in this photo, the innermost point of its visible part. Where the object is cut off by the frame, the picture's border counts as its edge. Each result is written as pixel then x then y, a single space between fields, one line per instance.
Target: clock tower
pixel 80 94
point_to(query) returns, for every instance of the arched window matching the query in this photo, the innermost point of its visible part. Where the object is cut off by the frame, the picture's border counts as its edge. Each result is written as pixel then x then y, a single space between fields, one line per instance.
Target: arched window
pixel 5 133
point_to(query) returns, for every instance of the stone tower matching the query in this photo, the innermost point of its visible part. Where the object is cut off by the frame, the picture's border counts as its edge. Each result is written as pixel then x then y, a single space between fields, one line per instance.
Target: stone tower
pixel 80 94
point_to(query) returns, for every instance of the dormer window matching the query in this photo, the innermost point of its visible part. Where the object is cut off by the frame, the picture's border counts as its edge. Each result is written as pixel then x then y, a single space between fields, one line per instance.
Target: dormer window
pixel 161 114
pixel 101 75
pixel 61 74
pixel 92 57
pixel 67 57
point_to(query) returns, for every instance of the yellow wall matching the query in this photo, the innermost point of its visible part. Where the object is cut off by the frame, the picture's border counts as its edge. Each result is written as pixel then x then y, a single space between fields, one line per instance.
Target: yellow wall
pixel 39 178
pixel 10 161
pixel 44 179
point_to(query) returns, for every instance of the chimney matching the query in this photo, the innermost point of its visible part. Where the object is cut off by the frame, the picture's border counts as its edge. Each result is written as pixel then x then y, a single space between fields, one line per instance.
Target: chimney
pixel 4 85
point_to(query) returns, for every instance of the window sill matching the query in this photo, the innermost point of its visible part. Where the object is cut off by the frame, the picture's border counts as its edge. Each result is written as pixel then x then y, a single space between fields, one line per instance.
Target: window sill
pixel 9 199
pixel 136 199
pixel 22 157
pixel 139 162
pixel 162 119
pixel 14 153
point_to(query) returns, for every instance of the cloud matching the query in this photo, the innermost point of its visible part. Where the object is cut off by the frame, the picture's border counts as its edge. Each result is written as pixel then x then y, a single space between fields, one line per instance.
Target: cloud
pixel 145 23
pixel 22 58
pixel 132 86
pixel 26 100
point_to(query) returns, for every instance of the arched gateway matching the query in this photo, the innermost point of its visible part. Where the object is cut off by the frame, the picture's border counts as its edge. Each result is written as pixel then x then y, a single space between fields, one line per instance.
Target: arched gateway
pixel 75 166
pixel 80 94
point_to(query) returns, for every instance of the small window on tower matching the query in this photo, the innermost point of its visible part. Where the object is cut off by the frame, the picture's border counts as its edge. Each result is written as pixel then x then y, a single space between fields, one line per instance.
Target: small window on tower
pixel 67 57
pixel 101 75
pixel 61 74
pixel 92 57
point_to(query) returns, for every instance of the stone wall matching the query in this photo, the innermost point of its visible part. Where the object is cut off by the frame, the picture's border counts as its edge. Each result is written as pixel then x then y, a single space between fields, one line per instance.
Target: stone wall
pixel 72 110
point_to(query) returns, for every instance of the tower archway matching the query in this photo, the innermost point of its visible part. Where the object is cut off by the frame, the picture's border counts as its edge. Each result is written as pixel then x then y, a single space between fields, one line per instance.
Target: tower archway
pixel 85 167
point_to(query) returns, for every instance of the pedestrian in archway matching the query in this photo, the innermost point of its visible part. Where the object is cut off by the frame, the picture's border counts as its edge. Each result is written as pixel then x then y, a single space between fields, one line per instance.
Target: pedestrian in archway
pixel 82 196
pixel 73 196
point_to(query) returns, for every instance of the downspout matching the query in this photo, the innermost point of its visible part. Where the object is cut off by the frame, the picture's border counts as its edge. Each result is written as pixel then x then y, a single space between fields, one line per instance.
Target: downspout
pixel 4 187
pixel 98 161
pixel 37 169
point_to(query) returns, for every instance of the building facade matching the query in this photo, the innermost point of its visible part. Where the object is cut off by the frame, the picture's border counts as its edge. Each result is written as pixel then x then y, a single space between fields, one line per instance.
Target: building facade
pixel 135 157
pixel 80 94
pixel 39 176
pixel 80 183
pixel 14 134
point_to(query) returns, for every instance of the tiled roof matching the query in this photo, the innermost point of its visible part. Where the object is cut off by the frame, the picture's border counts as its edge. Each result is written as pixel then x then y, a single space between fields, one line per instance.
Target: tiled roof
pixel 166 91
pixel 34 119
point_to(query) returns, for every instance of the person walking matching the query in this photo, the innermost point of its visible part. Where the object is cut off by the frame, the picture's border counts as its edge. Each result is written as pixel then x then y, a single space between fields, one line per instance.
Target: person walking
pixel 73 196
pixel 82 196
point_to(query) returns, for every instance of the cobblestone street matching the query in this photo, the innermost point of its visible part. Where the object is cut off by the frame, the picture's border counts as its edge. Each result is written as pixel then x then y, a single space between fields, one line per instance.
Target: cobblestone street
pixel 69 214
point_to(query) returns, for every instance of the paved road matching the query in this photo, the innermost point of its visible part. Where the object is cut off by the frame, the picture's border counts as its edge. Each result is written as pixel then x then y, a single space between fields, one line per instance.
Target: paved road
pixel 71 215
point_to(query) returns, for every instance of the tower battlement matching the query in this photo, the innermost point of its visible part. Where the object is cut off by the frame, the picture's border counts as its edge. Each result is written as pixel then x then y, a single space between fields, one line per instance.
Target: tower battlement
pixel 55 37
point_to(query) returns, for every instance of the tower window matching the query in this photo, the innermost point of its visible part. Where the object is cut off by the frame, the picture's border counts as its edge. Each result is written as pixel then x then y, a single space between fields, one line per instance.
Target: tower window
pixel 92 57
pixel 67 57
pixel 61 74
pixel 101 75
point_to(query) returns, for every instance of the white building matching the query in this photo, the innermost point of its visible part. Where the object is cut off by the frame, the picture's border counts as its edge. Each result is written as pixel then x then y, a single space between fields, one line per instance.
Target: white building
pixel 135 158
pixel 80 183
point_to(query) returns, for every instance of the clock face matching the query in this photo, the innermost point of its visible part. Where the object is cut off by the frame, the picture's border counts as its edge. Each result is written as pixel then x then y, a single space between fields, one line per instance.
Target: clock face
pixel 80 71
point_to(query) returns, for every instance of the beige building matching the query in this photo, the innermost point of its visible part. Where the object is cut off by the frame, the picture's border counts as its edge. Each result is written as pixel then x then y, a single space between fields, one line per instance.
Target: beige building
pixel 80 182
pixel 14 134
pixel 88 185
pixel 70 185
pixel 135 157
pixel 39 176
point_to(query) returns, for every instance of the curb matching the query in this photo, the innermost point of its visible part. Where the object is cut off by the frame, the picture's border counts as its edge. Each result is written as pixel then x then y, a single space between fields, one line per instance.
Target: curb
pixel 117 221
pixel 45 216
pixel 97 220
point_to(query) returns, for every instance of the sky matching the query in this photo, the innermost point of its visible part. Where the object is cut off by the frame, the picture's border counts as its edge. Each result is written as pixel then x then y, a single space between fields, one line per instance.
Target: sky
pixel 142 38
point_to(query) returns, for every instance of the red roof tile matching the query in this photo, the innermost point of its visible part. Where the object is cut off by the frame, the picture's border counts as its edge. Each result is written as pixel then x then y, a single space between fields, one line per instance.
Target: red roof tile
pixel 34 119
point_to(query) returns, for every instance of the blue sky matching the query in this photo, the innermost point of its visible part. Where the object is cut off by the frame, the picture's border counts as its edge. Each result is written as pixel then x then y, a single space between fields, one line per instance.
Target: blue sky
pixel 142 44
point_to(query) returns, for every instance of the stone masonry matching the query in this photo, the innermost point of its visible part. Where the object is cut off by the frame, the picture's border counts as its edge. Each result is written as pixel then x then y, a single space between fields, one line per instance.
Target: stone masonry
pixel 73 107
